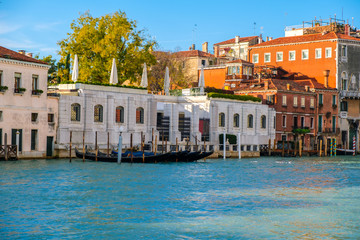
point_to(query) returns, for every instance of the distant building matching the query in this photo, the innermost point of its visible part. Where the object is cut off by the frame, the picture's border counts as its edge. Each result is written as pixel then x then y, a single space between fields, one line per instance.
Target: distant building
pixel 236 48
pixel 26 112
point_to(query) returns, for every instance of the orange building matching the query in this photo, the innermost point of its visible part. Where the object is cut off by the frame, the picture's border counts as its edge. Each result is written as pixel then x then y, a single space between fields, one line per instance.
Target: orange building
pixel 307 55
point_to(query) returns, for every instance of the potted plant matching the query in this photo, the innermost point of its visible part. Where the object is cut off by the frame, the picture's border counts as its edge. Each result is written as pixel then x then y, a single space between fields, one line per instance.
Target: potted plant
pixel 3 88
pixel 37 92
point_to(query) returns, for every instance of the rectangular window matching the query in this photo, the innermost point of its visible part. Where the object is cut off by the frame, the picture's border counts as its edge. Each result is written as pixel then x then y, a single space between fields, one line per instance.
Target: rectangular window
pixel 279 56
pixel 302 102
pixel 302 122
pixel 312 103
pixel 33 139
pixel 34 117
pixel 334 100
pixel 320 124
pixel 203 62
pixel 1 117
pixel 242 50
pixel 267 57
pixel 1 79
pixel 35 82
pixel 50 118
pixel 318 53
pixel 295 122
pixel 255 58
pixel 343 50
pixel 284 100
pixel 328 52
pixel 312 123
pixel 343 106
pixel 284 121
pixel 17 84
pixel 320 99
pixel 295 101
pixel 283 138
pixel 305 54
pixel 0 136
pixel 334 124
pixel 291 55
pixel 16 133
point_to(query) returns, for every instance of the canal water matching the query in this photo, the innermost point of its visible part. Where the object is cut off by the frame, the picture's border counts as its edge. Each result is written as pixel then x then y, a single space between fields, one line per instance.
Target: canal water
pixel 264 198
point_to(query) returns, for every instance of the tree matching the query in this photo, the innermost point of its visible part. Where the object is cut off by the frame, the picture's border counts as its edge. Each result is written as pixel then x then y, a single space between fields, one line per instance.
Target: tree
pixel 97 41
pixel 53 70
pixel 176 71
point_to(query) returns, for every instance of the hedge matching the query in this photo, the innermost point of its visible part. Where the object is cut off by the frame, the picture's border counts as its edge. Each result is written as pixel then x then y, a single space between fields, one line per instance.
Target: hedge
pixel 235 97
pixel 232 138
pixel 216 90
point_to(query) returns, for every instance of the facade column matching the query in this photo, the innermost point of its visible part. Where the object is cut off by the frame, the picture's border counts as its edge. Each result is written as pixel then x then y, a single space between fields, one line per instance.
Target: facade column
pixel 214 123
pixel 131 114
pixel 110 113
pixel 195 123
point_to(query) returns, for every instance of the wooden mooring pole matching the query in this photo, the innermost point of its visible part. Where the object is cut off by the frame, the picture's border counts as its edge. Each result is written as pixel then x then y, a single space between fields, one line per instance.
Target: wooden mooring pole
pixel 283 149
pixel 142 146
pixel 155 144
pixel 320 148
pixel 96 147
pixel 269 147
pixel 70 145
pixel 152 140
pixel 300 147
pixel 162 139
pixel 131 147
pixel 6 147
pixel 83 146
pixel 108 139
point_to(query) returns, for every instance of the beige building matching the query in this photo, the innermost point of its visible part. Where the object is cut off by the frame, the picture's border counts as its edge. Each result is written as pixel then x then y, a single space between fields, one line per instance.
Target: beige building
pixel 27 115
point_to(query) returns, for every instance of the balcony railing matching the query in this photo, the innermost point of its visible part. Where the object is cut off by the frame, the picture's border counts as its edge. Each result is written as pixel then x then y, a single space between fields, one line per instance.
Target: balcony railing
pixel 269 102
pixel 331 130
pixel 349 94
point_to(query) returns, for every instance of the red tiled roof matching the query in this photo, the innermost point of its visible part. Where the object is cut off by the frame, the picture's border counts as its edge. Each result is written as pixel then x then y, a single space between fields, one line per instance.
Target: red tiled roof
pixel 305 38
pixel 241 61
pixel 193 53
pixel 7 53
pixel 231 41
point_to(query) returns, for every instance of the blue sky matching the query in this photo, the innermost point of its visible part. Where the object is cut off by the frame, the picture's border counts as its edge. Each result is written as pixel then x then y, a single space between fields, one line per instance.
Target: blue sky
pixel 36 26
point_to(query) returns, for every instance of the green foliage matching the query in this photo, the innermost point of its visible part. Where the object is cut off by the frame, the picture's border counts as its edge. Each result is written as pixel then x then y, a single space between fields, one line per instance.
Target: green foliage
pixel 53 70
pixel 176 92
pixel 234 97
pixel 216 90
pixel 22 89
pixel 103 84
pixel 3 88
pixel 301 130
pixel 38 91
pixel 232 138
pixel 97 41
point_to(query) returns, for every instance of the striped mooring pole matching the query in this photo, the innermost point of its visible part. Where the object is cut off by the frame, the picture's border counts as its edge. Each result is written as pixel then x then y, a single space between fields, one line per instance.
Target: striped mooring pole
pixel 334 147
pixel 331 147
pixel 354 146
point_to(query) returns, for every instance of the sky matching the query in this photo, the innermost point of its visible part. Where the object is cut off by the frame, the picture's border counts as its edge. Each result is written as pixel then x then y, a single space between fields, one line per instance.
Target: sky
pixel 36 26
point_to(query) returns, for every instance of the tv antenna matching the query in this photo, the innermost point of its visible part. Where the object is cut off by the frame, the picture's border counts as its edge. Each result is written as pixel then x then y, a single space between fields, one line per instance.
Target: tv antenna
pixel 254 27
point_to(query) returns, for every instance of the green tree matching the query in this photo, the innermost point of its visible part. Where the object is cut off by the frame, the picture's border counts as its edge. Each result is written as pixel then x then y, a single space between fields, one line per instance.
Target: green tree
pixel 52 73
pixel 97 41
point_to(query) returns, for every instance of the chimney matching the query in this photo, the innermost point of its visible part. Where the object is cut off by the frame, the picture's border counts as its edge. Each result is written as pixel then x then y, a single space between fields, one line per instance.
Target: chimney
pixel 260 38
pixel 326 78
pixel 216 51
pixel 307 87
pixel 288 86
pixel 237 39
pixel 205 47
pixel 266 85
pixel 270 38
pixel 190 49
pixel 21 52
pixel 267 39
pixel 193 47
pixel 29 54
pixel 347 29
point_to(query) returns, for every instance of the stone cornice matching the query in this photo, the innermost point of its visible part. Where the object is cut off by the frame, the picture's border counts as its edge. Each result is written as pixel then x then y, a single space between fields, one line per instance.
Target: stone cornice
pixel 23 63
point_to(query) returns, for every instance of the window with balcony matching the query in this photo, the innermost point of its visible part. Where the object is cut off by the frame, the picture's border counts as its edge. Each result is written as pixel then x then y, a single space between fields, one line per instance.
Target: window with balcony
pixel 267 57
pixel 221 119
pixel 250 121
pixel 328 52
pixel 279 56
pixel 344 81
pixel 17 83
pixel 35 85
pixel 75 112
pixel 236 120
pixel 139 115
pixel 292 55
pixel 119 116
pixel 295 101
pixel 255 58
pixel 318 53
pixel 305 54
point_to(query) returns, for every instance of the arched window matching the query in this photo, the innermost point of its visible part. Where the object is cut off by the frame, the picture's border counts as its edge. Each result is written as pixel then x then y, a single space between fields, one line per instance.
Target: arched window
pixel 221 119
pixel 98 113
pixel 250 121
pixel 140 115
pixel 119 118
pixel 236 120
pixel 263 121
pixel 344 81
pixel 75 112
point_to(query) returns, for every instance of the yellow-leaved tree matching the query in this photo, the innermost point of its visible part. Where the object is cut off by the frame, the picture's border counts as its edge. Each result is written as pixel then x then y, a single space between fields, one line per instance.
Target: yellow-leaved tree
pixel 97 41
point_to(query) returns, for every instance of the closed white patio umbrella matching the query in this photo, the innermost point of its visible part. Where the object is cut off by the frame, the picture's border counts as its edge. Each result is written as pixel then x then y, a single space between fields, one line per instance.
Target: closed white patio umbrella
pixel 75 71
pixel 113 75
pixel 144 79
pixel 167 82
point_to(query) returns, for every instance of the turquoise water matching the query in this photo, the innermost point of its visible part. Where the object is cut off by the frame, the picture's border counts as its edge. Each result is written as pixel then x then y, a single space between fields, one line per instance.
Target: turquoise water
pixel 265 198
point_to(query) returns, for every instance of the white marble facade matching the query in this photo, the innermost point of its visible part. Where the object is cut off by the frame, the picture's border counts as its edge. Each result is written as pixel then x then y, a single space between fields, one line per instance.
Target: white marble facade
pixel 193 107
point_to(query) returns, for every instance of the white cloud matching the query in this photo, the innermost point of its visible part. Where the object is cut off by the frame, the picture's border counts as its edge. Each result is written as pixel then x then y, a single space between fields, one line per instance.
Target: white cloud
pixel 46 26
pixel 7 28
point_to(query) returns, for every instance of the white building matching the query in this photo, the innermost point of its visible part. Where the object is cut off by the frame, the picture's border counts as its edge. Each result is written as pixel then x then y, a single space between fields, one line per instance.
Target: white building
pixel 25 109
pixel 110 110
